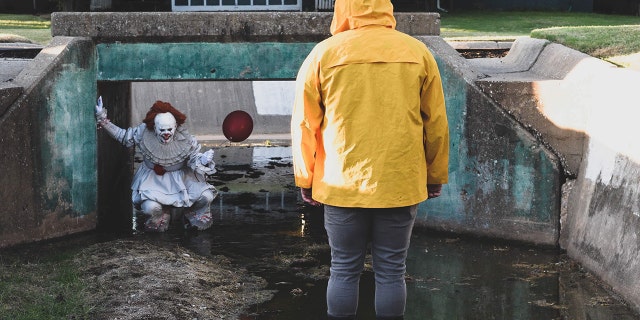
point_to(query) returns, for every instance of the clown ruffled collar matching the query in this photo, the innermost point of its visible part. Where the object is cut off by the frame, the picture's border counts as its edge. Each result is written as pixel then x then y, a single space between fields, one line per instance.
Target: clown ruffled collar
pixel 168 154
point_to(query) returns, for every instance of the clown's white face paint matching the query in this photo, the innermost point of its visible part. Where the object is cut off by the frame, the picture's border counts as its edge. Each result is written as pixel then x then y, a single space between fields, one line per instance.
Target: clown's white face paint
pixel 165 127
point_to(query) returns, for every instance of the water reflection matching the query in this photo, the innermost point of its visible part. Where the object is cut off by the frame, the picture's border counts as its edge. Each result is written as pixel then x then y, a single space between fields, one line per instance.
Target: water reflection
pixel 261 224
pixel 456 279
pixel 448 277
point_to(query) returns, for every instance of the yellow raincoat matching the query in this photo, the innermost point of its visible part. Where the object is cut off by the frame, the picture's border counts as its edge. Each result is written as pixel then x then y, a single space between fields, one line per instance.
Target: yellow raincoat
pixel 369 127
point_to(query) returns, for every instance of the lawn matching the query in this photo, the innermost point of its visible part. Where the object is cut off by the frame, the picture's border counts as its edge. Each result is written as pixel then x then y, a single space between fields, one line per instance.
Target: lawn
pixel 508 25
pixel 615 38
pixel 24 28
pixel 599 35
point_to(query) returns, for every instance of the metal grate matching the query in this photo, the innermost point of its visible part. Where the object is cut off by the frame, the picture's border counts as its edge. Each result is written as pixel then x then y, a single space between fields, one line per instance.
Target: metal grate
pixel 324 4
pixel 236 5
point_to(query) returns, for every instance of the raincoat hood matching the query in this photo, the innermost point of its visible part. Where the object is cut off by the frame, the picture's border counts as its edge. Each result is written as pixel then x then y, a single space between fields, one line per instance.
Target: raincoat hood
pixel 353 14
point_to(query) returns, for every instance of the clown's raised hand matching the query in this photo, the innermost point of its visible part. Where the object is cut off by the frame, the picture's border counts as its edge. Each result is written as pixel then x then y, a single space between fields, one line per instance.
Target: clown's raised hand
pixel 101 112
pixel 103 122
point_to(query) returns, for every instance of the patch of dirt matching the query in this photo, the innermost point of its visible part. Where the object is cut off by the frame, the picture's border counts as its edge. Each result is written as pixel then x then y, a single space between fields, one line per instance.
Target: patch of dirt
pixel 12 38
pixel 488 53
pixel 130 279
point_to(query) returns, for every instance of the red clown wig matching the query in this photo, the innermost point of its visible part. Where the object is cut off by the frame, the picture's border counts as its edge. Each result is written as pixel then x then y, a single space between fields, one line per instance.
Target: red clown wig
pixel 163 107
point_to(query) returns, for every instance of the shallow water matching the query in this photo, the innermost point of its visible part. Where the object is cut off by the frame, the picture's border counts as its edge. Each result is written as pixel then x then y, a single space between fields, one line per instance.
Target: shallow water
pixel 261 225
pixel 448 277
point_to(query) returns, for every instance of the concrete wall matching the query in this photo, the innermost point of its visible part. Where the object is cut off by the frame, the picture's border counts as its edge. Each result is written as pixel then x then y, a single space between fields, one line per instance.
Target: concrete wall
pixel 504 183
pixel 48 147
pixel 586 110
pixel 208 102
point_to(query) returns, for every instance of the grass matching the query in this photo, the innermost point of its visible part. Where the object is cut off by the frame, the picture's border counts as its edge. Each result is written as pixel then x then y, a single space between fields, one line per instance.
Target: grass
pixel 24 28
pixel 598 35
pixel 600 42
pixel 41 288
pixel 508 25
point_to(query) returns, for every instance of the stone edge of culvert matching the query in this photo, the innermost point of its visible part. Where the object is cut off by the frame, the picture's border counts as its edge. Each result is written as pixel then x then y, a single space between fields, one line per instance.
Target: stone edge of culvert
pixel 260 139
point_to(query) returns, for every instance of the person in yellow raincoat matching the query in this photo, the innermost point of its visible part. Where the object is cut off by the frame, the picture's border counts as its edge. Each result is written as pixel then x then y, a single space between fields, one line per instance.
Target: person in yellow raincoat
pixel 370 140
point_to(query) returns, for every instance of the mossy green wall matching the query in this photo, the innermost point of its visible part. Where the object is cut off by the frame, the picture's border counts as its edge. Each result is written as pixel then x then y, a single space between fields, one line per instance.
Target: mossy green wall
pixel 200 61
pixel 69 141
pixel 504 183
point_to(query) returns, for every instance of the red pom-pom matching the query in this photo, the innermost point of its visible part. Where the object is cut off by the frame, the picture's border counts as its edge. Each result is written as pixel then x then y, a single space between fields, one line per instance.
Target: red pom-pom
pixel 158 169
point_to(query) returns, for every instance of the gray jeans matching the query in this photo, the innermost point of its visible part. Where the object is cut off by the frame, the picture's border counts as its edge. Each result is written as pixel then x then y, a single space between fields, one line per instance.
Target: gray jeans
pixel 350 230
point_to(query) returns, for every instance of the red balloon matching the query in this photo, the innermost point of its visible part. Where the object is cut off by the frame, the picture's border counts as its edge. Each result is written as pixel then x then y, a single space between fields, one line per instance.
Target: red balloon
pixel 237 126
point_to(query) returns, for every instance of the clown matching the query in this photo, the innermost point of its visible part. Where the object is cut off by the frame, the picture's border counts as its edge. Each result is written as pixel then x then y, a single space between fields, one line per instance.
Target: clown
pixel 173 171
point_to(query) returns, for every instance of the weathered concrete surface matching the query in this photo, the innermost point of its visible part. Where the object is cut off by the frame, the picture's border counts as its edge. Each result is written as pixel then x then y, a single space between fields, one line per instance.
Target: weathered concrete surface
pixel 522 55
pixel 603 212
pixel 504 183
pixel 587 111
pixel 515 81
pixel 200 60
pixel 480 45
pixel 11 67
pixel 48 147
pixel 217 26
pixel 9 91
pixel 8 94
pixel 208 102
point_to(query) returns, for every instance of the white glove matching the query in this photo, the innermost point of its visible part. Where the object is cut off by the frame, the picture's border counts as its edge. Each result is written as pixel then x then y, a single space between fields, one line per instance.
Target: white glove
pixel 206 157
pixel 101 113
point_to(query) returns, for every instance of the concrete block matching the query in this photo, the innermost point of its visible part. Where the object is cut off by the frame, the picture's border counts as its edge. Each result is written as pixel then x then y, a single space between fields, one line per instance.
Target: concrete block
pixel 557 61
pixel 480 45
pixel 11 67
pixel 217 26
pixel 522 100
pixel 523 54
pixel 8 94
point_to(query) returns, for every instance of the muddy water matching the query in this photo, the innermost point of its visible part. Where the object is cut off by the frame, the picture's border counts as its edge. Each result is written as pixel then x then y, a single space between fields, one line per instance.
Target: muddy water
pixel 448 277
pixel 262 227
pixel 261 224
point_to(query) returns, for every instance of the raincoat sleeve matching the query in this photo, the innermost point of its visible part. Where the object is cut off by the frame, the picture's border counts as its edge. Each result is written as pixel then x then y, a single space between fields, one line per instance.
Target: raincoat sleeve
pixel 306 119
pixel 436 128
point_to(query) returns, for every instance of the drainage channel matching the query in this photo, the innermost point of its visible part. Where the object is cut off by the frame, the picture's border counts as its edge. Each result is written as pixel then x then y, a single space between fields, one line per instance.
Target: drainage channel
pixel 263 231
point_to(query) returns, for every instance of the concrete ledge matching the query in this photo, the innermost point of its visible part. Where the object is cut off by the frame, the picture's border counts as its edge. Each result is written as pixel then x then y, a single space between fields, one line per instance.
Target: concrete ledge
pixel 19 50
pixel 9 70
pixel 254 139
pixel 8 94
pixel 480 45
pixel 523 54
pixel 216 26
pixel 557 61
pixel 11 67
pixel 43 64
pixel 537 83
